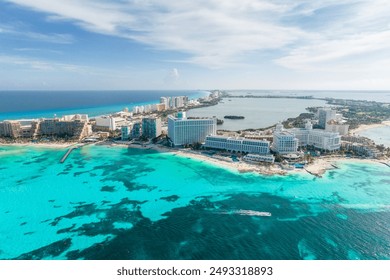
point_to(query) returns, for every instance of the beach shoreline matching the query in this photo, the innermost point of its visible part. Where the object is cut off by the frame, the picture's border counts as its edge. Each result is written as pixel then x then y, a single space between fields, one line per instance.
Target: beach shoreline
pixel 54 145
pixel 364 127
pixel 317 168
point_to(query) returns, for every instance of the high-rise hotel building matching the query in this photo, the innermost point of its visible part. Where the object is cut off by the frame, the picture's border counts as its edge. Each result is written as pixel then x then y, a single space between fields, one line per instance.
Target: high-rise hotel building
pixel 318 138
pixel 151 127
pixel 325 115
pixel 184 131
pixel 284 141
pixel 287 140
pixel 237 144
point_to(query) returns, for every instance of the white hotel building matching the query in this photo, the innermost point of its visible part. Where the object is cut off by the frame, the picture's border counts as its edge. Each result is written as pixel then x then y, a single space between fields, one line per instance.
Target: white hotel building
pixel 184 131
pixel 237 144
pixel 325 115
pixel 320 139
pixel 287 141
pixel 284 142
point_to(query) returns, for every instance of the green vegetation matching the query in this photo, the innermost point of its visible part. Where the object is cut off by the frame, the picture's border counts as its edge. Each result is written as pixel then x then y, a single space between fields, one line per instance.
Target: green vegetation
pixel 358 112
pixel 298 121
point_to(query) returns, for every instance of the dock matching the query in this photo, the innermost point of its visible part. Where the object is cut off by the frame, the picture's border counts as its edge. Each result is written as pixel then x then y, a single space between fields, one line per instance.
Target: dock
pixel 67 154
pixel 312 173
pixel 78 145
pixel 385 163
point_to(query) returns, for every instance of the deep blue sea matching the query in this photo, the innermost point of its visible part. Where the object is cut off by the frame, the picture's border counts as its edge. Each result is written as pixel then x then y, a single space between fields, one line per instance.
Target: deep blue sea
pixel 37 104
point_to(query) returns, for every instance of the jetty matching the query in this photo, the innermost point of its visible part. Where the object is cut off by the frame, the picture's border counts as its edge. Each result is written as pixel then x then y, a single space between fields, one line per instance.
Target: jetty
pixel 385 163
pixel 312 173
pixel 67 154
pixel 78 145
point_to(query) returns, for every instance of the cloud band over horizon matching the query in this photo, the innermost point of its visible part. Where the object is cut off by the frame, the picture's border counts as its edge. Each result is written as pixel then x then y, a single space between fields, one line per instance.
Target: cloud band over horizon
pixel 311 44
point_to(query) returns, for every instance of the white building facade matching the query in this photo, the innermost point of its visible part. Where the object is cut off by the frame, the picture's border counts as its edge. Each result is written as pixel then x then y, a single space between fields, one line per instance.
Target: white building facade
pixel 333 126
pixel 325 115
pixel 109 122
pixel 259 158
pixel 237 144
pixel 76 117
pixel 320 139
pixel 284 142
pixel 184 131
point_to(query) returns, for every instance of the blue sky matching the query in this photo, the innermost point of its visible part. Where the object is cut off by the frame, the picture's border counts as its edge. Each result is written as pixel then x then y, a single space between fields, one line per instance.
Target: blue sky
pixel 202 44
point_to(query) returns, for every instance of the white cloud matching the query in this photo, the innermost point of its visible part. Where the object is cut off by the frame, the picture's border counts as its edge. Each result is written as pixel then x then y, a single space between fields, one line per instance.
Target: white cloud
pixel 37 50
pixel 56 38
pixel 213 33
pixel 322 52
pixel 350 42
pixel 172 77
pixel 43 65
pixel 218 34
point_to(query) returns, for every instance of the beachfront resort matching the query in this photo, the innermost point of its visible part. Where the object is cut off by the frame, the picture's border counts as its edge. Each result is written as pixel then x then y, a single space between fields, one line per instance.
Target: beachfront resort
pixel 322 135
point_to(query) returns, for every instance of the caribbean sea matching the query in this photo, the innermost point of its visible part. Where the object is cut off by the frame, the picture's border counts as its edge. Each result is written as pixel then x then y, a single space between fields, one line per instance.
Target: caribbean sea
pixel 46 104
pixel 109 202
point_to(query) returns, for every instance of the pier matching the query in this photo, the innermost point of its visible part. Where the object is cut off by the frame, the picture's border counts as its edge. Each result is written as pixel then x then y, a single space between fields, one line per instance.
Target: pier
pixel 78 145
pixel 67 154
pixel 385 163
pixel 312 173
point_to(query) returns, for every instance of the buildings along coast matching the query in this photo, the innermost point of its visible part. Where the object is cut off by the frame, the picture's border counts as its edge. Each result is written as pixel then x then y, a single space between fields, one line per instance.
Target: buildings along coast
pixel 183 131
pixel 145 121
pixel 287 141
pixel 73 127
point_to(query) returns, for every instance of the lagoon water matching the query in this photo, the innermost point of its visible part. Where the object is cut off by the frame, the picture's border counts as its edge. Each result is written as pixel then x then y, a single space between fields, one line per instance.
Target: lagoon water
pixel 258 112
pixel 117 203
pixel 370 95
pixel 265 112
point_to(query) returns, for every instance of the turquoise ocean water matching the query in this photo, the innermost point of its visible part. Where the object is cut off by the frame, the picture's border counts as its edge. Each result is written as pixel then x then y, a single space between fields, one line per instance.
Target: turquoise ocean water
pixel 46 104
pixel 118 203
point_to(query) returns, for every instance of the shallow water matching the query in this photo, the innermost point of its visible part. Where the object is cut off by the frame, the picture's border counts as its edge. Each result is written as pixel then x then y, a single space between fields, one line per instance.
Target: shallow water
pixel 118 203
pixel 381 135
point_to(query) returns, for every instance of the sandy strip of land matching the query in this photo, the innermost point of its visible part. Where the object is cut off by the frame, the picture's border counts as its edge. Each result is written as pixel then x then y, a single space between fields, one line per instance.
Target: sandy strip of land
pixel 322 164
pixel 363 127
pixel 226 162
pixel 43 145
pixel 240 166
pixel 317 168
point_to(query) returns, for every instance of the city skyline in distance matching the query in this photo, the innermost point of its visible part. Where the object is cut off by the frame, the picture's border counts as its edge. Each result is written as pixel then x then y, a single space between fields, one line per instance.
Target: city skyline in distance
pixel 65 45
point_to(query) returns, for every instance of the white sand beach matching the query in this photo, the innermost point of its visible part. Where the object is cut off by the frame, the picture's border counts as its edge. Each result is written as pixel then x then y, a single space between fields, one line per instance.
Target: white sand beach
pixel 364 127
pixel 317 168
pixel 57 145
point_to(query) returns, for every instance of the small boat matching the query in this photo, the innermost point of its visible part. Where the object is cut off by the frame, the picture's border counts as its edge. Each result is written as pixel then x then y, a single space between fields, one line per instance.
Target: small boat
pixel 253 213
pixel 243 212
